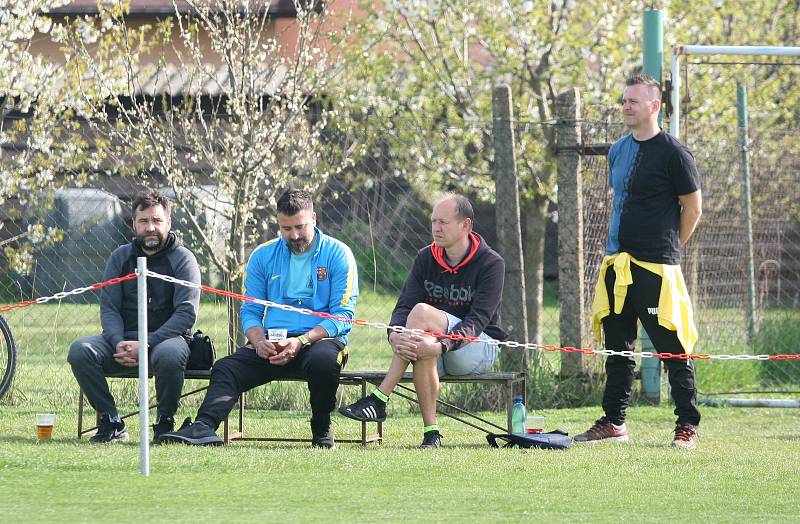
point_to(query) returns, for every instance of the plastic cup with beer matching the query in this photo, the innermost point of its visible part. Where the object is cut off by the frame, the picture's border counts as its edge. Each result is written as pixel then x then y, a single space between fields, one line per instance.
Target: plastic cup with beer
pixel 276 335
pixel 535 424
pixel 44 425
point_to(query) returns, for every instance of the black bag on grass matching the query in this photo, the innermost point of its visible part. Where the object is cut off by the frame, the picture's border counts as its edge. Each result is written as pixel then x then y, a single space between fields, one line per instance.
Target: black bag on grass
pixel 201 352
pixel 557 439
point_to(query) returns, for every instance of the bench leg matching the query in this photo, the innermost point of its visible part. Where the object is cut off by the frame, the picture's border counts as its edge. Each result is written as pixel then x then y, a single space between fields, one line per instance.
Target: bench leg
pixel 509 402
pixel 241 415
pixel 80 413
pixel 363 424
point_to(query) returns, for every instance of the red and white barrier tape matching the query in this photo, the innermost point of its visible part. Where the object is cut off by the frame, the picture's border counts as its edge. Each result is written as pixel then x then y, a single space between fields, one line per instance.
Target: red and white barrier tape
pixel 400 329
pixel 506 344
pixel 64 294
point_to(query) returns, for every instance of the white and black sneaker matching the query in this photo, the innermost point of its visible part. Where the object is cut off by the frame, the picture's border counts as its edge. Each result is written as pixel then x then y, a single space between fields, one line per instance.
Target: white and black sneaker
pixel 368 409
pixel 109 431
pixel 431 440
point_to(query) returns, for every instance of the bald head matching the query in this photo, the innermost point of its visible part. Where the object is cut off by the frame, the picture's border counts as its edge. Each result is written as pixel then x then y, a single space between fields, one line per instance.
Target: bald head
pixel 451 222
pixel 460 204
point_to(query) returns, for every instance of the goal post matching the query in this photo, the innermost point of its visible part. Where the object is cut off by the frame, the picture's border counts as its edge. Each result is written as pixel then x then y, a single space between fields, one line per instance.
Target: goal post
pixel 686 50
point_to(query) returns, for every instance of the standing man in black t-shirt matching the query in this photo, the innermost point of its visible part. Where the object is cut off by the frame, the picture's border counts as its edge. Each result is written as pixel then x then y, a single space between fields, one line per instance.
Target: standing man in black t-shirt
pixel 656 207
pixel 455 286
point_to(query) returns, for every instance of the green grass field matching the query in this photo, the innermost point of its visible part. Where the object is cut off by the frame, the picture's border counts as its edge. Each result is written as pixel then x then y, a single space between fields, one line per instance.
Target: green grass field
pixel 745 469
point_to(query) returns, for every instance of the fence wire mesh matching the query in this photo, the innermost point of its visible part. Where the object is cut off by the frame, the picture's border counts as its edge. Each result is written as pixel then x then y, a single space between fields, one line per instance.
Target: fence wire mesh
pixel 717 261
pixel 380 207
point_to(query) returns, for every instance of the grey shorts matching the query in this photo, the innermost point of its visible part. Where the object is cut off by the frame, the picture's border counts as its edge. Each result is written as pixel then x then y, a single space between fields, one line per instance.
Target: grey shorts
pixel 471 359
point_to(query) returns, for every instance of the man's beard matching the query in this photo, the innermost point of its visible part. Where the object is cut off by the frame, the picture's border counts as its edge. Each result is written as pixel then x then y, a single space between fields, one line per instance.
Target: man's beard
pixel 299 246
pixel 151 242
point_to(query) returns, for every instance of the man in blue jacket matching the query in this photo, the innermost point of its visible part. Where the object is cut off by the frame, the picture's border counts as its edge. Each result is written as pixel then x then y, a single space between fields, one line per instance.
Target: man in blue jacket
pixel 306 269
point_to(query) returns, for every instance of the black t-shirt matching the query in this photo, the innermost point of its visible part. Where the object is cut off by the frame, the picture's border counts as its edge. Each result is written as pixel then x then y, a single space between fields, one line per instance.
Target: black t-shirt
pixel 647 177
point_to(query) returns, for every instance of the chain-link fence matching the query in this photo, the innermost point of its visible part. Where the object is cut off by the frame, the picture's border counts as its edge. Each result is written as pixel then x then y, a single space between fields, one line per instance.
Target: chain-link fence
pixel 380 207
pixel 718 261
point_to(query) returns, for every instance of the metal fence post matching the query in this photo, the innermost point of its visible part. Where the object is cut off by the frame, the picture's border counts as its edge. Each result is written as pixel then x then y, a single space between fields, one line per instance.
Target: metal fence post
pixel 652 63
pixel 509 231
pixel 144 402
pixel 744 146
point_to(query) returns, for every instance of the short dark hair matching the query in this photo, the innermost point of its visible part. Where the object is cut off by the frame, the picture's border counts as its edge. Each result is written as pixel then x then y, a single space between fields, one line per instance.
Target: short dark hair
pixel 645 80
pixel 292 201
pixel 463 205
pixel 148 198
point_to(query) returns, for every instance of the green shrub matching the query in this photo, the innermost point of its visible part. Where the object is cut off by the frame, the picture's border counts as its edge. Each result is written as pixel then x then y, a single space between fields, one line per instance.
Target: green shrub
pixel 379 267
pixel 779 335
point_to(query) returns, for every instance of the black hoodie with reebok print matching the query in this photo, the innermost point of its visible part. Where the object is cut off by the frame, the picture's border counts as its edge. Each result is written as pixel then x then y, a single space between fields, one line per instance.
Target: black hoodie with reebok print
pixel 471 290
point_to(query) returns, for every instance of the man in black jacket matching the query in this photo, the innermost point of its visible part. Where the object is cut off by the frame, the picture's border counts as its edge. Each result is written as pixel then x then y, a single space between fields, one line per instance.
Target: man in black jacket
pixel 455 286
pixel 171 313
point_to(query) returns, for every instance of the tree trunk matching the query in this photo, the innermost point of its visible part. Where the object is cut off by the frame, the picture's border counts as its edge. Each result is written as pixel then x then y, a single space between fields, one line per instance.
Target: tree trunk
pixel 234 282
pixel 534 226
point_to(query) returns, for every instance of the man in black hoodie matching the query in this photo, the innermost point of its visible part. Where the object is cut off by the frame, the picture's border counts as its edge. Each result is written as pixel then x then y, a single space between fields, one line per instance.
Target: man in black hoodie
pixel 171 313
pixel 455 286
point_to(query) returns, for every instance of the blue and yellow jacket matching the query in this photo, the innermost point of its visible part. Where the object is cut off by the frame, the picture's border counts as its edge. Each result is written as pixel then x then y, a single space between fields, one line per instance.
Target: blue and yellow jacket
pixel 335 280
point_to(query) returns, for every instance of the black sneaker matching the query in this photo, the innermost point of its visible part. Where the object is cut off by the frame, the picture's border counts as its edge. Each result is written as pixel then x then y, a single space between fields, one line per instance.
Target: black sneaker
pixel 109 431
pixel 324 440
pixel 197 434
pixel 164 424
pixel 431 439
pixel 368 409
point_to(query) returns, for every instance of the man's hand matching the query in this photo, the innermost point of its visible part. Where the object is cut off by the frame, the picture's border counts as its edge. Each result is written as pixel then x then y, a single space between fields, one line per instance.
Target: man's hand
pixel 264 349
pixel 127 353
pixel 413 347
pixel 287 349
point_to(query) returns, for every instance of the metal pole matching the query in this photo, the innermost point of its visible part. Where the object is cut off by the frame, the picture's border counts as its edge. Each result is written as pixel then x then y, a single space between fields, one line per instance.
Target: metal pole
pixel 144 443
pixel 741 50
pixel 741 111
pixel 675 95
pixel 652 60
pixel 653 47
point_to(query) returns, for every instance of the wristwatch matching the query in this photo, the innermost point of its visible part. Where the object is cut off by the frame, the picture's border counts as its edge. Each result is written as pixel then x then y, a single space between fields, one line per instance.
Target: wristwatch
pixel 304 342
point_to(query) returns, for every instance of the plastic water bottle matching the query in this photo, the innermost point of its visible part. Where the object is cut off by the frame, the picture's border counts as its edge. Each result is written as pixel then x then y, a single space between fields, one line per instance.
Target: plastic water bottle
pixel 518 417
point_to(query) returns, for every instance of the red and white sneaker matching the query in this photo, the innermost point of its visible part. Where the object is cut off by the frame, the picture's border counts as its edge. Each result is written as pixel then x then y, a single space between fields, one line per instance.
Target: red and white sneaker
pixel 603 430
pixel 685 436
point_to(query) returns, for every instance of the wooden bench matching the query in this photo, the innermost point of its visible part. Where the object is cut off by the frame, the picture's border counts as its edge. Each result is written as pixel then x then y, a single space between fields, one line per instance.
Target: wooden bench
pixel 510 381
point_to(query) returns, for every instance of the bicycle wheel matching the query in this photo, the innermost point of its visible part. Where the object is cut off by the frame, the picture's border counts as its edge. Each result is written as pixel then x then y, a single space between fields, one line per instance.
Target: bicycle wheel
pixel 8 357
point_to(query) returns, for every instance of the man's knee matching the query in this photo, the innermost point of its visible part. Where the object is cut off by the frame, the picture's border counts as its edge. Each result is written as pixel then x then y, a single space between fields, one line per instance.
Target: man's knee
pixel 427 317
pixel 170 356
pixel 617 362
pixel 678 365
pixel 324 367
pixel 80 353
